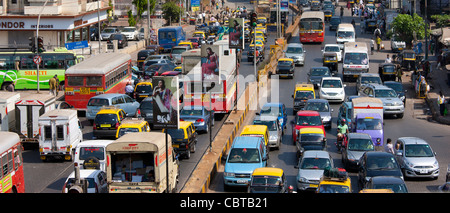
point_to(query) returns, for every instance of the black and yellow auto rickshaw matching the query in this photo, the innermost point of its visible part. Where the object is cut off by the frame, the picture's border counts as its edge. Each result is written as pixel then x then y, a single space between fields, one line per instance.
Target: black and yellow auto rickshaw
pixel 328 13
pixel 330 60
pixel 371 25
pixel 407 60
pixel 388 71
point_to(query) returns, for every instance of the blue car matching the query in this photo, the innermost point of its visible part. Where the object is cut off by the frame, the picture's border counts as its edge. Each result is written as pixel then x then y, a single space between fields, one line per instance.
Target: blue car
pixel 345 112
pixel 199 116
pixel 275 109
pixel 246 154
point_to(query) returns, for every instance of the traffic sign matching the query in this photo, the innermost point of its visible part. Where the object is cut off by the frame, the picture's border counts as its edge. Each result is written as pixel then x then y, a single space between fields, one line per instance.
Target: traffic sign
pixel 37 59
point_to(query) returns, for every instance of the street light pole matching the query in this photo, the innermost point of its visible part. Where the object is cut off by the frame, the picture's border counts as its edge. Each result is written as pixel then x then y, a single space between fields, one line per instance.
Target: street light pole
pixel 36 44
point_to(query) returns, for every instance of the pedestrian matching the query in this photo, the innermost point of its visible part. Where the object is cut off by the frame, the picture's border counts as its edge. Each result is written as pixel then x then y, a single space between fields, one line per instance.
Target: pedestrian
pixel 389 148
pixel 388 59
pixel 129 90
pixel 353 11
pixel 53 85
pixel 378 40
pixel 441 102
pixel 342 11
pixel 399 74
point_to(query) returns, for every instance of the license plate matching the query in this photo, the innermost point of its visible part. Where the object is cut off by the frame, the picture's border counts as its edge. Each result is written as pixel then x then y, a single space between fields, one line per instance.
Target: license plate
pixel 105 125
pixel 423 171
pixel 175 146
pixel 355 76
pixel 313 185
pixel 241 181
pixel 85 90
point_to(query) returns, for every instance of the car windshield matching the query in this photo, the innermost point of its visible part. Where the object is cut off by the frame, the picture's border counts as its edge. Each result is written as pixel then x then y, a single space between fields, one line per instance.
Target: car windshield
pixel 395 86
pixel 176 133
pixel 332 49
pixel 331 84
pixel 360 144
pixel 244 155
pixel 98 102
pixel 178 50
pixel 309 120
pixel 300 95
pixel 147 105
pixel 271 125
pixel 294 50
pixel 271 110
pixel 91 182
pixel 409 55
pixel 396 188
pixel 335 21
pixel 381 163
pixel 346 34
pixel 106 118
pixel 309 137
pixel 128 30
pixel 389 69
pixel 144 88
pixel 315 163
pixel 368 80
pixel 265 180
pixel 123 131
pixel 317 106
pixel 418 150
pixel 92 151
pixel 328 188
pixel 191 112
pixel 284 63
pixel 116 36
pixel 369 124
pixel 356 58
pixel 320 72
pixel 385 93
pixel 108 30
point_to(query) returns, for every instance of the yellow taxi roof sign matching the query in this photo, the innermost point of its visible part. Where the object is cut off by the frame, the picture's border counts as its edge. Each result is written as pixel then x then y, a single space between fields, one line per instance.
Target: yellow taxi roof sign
pixel 267 171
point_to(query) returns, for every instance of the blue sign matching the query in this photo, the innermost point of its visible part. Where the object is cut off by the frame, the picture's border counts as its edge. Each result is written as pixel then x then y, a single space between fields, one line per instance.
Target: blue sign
pixel 76 45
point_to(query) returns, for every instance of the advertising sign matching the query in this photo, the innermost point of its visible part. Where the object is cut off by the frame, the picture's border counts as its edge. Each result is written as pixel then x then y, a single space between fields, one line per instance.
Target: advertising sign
pixel 165 102
pixel 210 62
pixel 236 32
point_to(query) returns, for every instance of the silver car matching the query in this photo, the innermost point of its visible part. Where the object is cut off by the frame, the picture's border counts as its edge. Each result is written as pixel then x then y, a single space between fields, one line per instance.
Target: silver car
pixel 310 168
pixel 323 107
pixel 416 158
pixel 106 33
pixel 357 144
pixel 296 52
pixel 274 127
pixel 392 105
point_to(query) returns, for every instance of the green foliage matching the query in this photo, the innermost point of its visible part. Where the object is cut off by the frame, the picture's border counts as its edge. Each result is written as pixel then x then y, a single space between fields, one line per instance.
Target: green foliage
pixel 405 25
pixel 141 6
pixel 131 20
pixel 171 12
pixel 442 20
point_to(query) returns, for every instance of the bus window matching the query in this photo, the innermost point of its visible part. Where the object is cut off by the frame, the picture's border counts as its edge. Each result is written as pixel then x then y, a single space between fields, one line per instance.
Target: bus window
pixel 76 81
pixel 94 81
pixel 5 62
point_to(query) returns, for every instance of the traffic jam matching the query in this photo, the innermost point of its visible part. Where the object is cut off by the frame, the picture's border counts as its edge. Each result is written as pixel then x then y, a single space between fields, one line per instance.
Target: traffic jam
pixel 130 122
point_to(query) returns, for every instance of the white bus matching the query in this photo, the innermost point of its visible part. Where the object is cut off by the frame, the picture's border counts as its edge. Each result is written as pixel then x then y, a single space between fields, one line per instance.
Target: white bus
pixel 355 60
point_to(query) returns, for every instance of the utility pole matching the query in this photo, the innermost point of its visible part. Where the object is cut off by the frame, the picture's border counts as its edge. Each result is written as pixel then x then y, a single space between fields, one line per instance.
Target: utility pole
pixel 426 29
pixel 37 46
pixel 98 24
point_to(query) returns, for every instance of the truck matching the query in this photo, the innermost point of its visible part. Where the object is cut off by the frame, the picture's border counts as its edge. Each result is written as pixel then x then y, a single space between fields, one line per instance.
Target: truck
pixel 367 117
pixel 60 133
pixel 355 60
pixel 28 109
pixel 142 162
pixel 8 110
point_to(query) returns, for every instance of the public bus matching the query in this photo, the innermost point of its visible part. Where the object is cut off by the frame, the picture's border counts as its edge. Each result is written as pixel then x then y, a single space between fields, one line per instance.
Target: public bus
pixel 99 74
pixel 312 27
pixel 221 92
pixel 169 37
pixel 11 176
pixel 19 68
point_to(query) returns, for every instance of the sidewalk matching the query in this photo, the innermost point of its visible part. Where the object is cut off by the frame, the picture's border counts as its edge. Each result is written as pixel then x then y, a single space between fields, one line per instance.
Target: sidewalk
pixel 438 82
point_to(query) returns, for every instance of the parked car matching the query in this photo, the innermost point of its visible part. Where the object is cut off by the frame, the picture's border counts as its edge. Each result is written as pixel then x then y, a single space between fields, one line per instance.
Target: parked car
pixel 396 184
pixel 398 88
pixel 392 105
pixel 357 144
pixel 416 158
pixel 332 89
pixel 122 40
pixel 199 116
pixel 122 101
pixel 107 32
pixel 131 33
pixel 96 180
pixel 316 74
pixel 310 169
pixel 376 163
pixel 323 107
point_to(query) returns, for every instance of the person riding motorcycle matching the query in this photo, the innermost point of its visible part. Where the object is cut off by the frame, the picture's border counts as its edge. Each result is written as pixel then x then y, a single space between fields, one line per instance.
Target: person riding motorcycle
pixel 342 130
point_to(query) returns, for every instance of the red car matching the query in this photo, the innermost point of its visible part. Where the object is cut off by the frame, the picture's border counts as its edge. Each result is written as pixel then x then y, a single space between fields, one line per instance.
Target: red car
pixel 196 41
pixel 306 118
pixel 170 73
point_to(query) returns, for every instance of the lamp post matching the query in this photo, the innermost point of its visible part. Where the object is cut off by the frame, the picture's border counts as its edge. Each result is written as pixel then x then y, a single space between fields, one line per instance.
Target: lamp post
pixel 36 43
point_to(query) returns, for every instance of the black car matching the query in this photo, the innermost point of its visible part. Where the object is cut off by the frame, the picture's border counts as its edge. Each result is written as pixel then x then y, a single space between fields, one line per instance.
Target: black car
pixel 122 40
pixel 142 55
pixel 334 22
pixel 157 69
pixel 398 88
pixel 377 163
pixel 396 184
pixel 146 109
pixel 316 74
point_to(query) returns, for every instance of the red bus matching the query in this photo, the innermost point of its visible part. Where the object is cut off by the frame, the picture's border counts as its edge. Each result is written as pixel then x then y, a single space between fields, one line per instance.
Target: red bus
pixel 12 180
pixel 223 91
pixel 99 74
pixel 312 27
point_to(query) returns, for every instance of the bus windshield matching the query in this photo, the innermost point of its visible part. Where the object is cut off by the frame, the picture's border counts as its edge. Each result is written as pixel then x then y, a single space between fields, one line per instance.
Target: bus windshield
pixel 311 25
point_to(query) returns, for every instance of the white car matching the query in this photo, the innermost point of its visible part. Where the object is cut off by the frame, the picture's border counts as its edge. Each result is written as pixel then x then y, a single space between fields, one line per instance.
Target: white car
pixel 131 33
pixel 332 89
pixel 333 48
pixel 96 181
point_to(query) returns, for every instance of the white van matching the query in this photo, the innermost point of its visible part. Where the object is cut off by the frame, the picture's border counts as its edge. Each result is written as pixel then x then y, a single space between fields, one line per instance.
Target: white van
pixel 90 149
pixel 345 33
pixel 60 133
pixel 355 60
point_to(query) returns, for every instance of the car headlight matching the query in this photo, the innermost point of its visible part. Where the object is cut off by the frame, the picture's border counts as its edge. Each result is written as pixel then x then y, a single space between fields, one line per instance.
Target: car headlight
pixel 302 180
pixel 326 118
pixel 342 92
pixel 273 138
pixel 408 164
pixel 322 92
pixel 228 174
pixel 436 164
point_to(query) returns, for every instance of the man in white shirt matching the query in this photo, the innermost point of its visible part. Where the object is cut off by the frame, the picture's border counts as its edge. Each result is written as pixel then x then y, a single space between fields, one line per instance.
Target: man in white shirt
pixel 388 59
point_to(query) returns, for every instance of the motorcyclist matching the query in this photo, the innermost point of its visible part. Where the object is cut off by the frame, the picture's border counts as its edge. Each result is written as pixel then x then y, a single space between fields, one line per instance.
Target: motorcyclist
pixel 342 131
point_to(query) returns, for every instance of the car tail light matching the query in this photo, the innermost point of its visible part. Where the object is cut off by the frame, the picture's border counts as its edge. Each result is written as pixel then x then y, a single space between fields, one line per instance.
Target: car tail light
pixel 117 125
pixel 94 126
pixel 181 119
pixel 200 120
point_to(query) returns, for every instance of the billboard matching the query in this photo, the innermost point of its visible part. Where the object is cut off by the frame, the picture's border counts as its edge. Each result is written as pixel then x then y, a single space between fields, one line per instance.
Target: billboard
pixel 165 102
pixel 210 62
pixel 236 32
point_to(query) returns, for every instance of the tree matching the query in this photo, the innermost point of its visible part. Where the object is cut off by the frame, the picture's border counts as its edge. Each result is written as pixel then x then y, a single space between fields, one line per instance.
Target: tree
pixel 131 20
pixel 442 20
pixel 171 12
pixel 141 7
pixel 406 25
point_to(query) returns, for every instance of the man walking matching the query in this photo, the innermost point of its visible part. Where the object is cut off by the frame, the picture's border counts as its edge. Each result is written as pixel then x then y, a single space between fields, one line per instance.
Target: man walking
pixel 53 85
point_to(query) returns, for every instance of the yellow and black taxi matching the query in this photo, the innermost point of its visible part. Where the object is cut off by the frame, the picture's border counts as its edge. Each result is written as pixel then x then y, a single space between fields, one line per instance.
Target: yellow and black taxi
pixel 303 92
pixel 268 180
pixel 132 125
pixel 334 180
pixel 286 67
pixel 407 59
pixel 107 121
pixel 142 90
pixel 184 139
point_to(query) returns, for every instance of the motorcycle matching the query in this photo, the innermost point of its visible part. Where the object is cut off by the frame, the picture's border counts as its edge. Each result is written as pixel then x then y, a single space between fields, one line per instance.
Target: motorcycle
pixel 341 141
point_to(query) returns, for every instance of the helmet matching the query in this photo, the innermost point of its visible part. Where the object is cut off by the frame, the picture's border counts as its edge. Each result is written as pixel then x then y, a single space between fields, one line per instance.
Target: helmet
pixel 343 120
